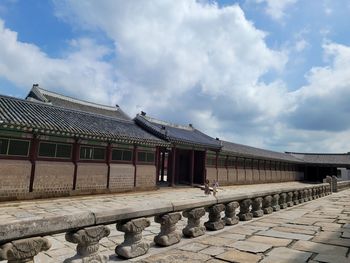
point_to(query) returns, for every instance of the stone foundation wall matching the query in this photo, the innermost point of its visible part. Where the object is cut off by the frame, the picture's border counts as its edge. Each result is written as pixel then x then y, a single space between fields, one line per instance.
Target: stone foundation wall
pixel 232 176
pixel 222 176
pixel 145 176
pixel 268 176
pixel 53 178
pixel 262 174
pixel 14 178
pixel 121 177
pixel 249 176
pixel 211 174
pixel 92 176
pixel 241 176
pixel 256 176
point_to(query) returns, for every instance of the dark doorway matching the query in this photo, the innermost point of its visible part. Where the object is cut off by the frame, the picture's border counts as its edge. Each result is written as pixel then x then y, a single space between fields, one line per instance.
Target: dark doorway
pixel 185 162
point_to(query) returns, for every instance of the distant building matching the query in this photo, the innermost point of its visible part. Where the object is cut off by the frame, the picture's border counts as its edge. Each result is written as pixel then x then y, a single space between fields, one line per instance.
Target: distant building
pixel 54 145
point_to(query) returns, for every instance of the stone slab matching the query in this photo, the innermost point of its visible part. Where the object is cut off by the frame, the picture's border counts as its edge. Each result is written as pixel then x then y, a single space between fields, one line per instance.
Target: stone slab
pixel 237 256
pixel 194 247
pixel 213 250
pixel 177 256
pixel 279 234
pixel 331 258
pixel 273 241
pixel 319 248
pixel 286 255
pixel 294 230
pixel 250 246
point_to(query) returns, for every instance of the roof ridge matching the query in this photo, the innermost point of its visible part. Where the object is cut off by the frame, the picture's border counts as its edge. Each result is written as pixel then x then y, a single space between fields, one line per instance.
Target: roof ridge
pixel 285 153
pixel 348 153
pixel 161 122
pixel 79 101
pixel 66 109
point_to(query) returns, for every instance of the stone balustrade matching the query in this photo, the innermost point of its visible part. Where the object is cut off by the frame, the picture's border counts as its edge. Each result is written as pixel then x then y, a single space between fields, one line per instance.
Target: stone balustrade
pixel 21 241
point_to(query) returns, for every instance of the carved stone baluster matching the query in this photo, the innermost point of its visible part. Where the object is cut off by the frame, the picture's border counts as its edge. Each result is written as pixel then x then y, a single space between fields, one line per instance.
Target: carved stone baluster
pixel 266 204
pixel 215 221
pixel 283 201
pixel 323 191
pixel 275 205
pixel 88 244
pixel 314 191
pixel 133 245
pixel 194 228
pixel 256 207
pixel 230 213
pixel 295 198
pixel 244 207
pixel 301 196
pixel 310 194
pixel 23 250
pixel 168 234
pixel 290 199
pixel 306 195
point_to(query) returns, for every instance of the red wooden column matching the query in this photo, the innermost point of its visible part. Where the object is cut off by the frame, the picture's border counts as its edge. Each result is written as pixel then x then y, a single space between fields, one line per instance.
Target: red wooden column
pixel 245 172
pixel 108 162
pixel 135 164
pixel 226 166
pixel 157 163
pixel 75 160
pixel 216 166
pixel 163 164
pixel 173 164
pixel 192 167
pixel 32 157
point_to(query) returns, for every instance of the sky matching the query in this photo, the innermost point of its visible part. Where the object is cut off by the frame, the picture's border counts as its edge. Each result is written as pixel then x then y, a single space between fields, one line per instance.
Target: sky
pixel 273 74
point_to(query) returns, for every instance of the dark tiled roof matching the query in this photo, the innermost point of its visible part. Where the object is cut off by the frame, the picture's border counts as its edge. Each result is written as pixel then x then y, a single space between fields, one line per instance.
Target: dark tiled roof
pixel 52 98
pixel 177 134
pixel 35 116
pixel 248 151
pixel 323 158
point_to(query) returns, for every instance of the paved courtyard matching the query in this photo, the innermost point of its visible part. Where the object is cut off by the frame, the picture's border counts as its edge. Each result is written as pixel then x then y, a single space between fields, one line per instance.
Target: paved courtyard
pixel 316 231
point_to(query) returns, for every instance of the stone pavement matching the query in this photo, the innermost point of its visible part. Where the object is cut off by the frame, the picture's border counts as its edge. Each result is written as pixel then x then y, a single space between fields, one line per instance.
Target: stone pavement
pixel 316 231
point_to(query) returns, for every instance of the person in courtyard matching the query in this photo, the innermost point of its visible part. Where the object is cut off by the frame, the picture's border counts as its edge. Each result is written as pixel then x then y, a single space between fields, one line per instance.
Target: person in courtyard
pixel 206 187
pixel 215 187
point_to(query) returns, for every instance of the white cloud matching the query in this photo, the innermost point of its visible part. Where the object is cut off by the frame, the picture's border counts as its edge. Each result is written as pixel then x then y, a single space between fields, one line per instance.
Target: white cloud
pixel 301 44
pixel 276 9
pixel 81 72
pixel 166 49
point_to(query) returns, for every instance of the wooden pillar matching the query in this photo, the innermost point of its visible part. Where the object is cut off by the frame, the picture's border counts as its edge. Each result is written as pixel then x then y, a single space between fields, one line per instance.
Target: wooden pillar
pixel 157 163
pixel 226 167
pixel 163 164
pixel 216 166
pixel 318 173
pixel 32 157
pixel 245 172
pixel 76 147
pixel 108 162
pixel 135 163
pixel 173 166
pixel 192 167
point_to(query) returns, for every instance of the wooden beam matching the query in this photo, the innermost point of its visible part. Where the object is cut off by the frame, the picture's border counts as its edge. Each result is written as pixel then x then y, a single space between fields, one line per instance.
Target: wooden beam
pixel 135 164
pixel 32 157
pixel 75 159
pixel 108 162
pixel 173 164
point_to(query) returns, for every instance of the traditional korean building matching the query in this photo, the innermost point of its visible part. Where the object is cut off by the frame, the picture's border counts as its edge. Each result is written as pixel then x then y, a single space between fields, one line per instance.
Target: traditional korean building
pixel 54 145
pixel 319 165
pixel 47 149
pixel 189 150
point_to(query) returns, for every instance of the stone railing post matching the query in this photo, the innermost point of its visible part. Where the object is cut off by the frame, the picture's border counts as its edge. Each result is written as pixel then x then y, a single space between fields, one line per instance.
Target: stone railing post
pixel 328 180
pixel 301 196
pixel 295 198
pixel 133 245
pixel 193 227
pixel 316 192
pixel 335 183
pixel 306 195
pixel 310 194
pixel 283 200
pixel 266 204
pixel 88 244
pixel 256 207
pixel 24 250
pixel 168 234
pixel 244 206
pixel 275 200
pixel 230 213
pixel 215 221
pixel 290 199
